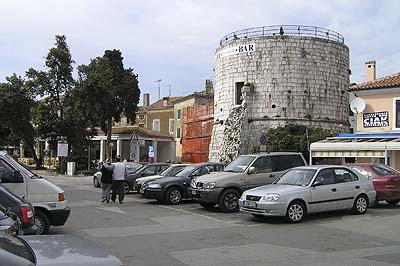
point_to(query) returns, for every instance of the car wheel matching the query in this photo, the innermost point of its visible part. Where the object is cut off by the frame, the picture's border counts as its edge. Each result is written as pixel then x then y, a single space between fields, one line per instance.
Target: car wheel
pixel 96 182
pixel 173 196
pixel 296 212
pixel 229 201
pixel 126 187
pixel 360 205
pixel 392 202
pixel 207 205
pixel 42 222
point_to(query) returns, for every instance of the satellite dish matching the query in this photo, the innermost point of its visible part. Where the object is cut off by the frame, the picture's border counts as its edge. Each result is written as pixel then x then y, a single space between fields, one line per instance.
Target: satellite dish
pixel 357 105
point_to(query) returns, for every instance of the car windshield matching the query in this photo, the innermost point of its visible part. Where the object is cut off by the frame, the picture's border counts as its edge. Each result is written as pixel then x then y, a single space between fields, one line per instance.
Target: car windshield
pixel 297 177
pixel 240 164
pixel 22 168
pixel 16 246
pixel 186 171
pixel 172 170
pixel 133 167
pixel 382 170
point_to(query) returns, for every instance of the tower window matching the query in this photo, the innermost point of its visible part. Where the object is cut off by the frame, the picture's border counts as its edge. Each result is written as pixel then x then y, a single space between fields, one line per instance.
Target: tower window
pixel 238 92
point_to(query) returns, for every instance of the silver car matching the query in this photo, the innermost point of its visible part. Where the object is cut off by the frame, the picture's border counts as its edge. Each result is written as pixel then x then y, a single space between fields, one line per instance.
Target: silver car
pixel 53 250
pixel 310 189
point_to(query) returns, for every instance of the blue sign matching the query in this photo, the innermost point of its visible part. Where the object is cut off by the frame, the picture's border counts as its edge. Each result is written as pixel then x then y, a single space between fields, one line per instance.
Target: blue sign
pixel 151 151
pixel 263 140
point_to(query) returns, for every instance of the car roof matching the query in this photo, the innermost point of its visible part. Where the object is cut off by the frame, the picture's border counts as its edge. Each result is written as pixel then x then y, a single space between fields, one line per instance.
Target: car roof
pixel 319 167
pixel 272 153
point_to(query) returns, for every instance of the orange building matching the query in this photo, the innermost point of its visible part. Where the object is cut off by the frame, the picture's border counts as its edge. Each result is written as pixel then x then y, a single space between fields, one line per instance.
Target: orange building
pixel 197 124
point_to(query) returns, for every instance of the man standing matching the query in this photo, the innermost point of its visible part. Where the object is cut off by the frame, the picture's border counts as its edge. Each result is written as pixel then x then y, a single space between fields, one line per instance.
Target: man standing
pixel 106 181
pixel 119 174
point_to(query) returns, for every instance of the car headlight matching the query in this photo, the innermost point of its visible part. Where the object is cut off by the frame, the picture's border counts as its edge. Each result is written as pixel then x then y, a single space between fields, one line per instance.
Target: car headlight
pixel 270 197
pixel 154 186
pixel 209 185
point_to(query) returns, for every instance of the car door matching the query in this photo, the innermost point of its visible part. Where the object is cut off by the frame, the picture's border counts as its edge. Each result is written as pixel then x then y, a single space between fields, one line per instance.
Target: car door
pixel 348 187
pixel 324 193
pixel 262 174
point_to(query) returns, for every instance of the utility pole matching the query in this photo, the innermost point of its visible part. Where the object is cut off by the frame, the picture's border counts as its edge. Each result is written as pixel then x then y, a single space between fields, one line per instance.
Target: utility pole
pixel 159 92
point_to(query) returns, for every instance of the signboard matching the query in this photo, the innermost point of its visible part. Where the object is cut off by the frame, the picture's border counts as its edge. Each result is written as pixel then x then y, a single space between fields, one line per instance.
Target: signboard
pixel 379 119
pixel 62 149
pixel 133 151
pixel 263 140
pixel 238 49
pixel 151 151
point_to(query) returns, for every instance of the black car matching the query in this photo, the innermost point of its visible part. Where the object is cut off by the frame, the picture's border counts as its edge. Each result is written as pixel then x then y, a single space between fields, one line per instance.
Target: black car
pixel 147 170
pixel 173 189
pixel 23 209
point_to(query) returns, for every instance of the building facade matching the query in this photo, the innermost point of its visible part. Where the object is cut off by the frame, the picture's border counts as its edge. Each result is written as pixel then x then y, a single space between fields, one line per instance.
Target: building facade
pixel 271 76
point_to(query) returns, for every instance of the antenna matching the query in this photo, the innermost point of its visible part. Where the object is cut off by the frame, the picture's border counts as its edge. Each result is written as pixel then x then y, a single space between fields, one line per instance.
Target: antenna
pixel 159 92
pixel 169 91
pixel 357 105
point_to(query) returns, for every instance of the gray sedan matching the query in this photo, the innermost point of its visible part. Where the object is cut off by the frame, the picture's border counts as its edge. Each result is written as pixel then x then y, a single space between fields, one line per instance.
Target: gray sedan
pixel 310 189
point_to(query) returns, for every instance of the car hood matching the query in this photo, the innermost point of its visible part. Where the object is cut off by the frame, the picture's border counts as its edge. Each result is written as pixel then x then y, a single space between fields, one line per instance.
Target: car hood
pixel 217 176
pixel 62 250
pixel 274 188
pixel 142 180
pixel 166 180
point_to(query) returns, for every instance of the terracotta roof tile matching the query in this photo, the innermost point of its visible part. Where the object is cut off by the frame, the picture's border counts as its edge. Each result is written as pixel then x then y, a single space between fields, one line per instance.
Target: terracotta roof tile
pixel 160 103
pixel 385 82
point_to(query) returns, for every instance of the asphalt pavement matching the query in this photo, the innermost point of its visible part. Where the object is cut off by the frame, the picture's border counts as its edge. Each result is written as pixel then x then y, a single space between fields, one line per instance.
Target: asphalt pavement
pixel 143 232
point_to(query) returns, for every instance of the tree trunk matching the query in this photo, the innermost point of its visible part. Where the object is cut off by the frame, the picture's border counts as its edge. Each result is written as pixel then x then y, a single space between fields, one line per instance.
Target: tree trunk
pixel 109 132
pixel 33 151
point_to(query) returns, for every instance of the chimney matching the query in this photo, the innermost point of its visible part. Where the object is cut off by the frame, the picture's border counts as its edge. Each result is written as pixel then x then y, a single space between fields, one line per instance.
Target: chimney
pixel 370 71
pixel 209 87
pixel 146 100
pixel 165 101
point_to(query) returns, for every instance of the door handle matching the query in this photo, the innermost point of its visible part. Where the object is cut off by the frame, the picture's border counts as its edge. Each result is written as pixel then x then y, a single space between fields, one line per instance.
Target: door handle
pixel 357 187
pixel 334 189
pixel 271 175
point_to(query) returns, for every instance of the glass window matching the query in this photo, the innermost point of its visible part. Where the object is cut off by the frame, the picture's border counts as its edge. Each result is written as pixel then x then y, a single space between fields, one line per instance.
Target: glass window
pixel 238 92
pixel 382 170
pixel 297 177
pixel 6 172
pixel 284 162
pixel 15 246
pixel 141 125
pixel 178 133
pixel 201 171
pixel 151 170
pixel 397 114
pixel 326 177
pixel 239 164
pixel 344 175
pixel 178 114
pixel 263 164
pixel 171 125
pixel 360 170
pixel 156 124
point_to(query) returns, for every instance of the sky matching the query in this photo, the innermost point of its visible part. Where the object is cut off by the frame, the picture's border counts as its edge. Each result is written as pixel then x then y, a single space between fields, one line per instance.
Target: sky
pixel 175 40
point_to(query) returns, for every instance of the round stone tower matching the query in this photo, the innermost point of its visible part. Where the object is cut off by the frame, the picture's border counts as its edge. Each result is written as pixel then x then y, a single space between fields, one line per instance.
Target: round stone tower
pixel 271 76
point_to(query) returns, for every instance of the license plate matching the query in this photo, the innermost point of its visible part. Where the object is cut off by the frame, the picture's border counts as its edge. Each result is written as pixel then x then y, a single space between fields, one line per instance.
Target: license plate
pixel 194 192
pixel 250 204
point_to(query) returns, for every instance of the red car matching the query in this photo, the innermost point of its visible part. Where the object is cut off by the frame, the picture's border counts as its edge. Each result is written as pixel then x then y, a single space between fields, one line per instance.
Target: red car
pixel 386 180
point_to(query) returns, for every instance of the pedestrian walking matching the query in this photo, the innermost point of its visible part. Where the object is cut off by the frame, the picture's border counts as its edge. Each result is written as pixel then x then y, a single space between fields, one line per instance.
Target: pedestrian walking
pixel 106 181
pixel 119 174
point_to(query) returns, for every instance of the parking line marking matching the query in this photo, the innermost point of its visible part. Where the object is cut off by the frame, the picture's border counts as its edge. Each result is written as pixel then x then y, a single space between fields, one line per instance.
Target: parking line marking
pixel 200 215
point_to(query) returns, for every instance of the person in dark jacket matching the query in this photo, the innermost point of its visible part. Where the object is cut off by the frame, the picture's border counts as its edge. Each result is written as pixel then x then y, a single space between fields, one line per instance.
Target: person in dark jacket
pixel 106 182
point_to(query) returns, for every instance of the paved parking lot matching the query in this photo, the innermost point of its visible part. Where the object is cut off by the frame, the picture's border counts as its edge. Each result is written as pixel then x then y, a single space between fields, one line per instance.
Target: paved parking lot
pixel 143 232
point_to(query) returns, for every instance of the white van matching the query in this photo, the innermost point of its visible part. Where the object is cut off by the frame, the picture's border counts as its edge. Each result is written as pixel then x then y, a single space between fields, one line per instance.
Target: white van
pixel 49 200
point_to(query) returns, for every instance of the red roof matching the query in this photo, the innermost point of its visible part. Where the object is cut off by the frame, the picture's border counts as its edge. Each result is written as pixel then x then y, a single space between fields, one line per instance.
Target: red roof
pixel 385 82
pixel 160 103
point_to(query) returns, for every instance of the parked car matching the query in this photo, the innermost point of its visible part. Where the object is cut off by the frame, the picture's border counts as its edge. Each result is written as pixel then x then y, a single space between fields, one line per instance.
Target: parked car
pixel 245 172
pixel 173 189
pixel 310 189
pixel 22 208
pixel 386 180
pixel 147 170
pixel 9 222
pixel 53 250
pixel 130 167
pixel 49 201
pixel 172 170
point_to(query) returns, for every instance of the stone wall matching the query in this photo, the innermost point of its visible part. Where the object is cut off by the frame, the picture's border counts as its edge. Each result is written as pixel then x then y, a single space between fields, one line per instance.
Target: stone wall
pixel 291 79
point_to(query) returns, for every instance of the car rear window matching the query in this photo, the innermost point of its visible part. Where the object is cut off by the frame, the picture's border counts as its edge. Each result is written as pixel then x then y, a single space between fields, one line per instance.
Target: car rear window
pixel 16 246
pixel 283 162
pixel 381 170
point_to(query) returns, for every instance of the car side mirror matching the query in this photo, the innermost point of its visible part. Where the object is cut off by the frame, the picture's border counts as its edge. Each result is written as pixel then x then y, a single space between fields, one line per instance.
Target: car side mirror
pixel 252 170
pixel 18 177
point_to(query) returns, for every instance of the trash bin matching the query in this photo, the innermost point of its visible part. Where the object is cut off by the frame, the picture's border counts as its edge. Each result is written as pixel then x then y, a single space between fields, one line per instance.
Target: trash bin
pixel 71 168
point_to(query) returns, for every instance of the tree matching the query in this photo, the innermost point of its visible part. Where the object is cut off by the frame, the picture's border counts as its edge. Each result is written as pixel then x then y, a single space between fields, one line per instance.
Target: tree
pixel 105 90
pixel 16 104
pixel 54 85
pixel 294 138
